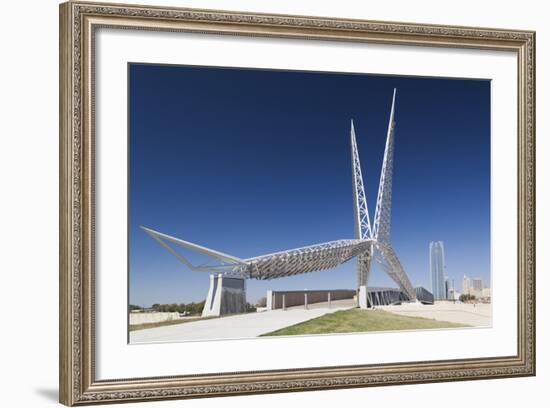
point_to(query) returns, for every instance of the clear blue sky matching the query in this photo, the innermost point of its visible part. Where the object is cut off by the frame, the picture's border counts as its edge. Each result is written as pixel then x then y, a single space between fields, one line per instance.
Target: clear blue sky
pixel 250 162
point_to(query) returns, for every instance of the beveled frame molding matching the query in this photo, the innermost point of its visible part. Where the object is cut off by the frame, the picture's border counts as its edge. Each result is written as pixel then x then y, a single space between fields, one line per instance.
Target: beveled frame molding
pixel 78 21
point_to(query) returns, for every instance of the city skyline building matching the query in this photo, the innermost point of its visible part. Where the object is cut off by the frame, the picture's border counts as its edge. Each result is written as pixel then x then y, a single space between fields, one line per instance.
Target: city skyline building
pixel 477 284
pixel 474 287
pixel 466 285
pixel 437 270
pixel 449 288
pixel 477 288
pixel 486 294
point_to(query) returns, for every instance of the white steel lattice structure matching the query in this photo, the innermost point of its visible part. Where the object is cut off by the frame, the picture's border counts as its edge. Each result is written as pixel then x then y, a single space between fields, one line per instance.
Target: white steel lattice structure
pixel 370 243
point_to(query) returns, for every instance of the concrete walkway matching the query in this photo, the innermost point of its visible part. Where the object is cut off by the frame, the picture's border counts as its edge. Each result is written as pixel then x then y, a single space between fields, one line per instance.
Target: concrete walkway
pixel 478 315
pixel 231 327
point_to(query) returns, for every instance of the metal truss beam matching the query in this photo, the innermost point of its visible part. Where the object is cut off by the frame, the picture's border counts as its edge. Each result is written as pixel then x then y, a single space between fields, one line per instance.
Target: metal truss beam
pixel 296 261
pixel 303 260
pixel 387 257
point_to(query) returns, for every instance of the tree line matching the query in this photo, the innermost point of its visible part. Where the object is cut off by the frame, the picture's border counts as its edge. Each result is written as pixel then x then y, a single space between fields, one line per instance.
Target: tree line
pixel 192 308
pixel 465 297
pixel 188 309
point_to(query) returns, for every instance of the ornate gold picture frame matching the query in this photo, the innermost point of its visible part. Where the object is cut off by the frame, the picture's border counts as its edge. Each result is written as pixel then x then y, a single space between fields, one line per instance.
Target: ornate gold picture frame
pixel 78 24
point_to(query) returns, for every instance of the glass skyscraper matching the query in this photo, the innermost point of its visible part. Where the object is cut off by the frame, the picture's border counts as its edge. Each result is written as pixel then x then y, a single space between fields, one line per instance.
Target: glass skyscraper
pixel 437 270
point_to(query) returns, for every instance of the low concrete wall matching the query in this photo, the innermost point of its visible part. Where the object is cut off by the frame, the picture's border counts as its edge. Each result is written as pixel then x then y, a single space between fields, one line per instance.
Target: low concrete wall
pixel 152 317
pixel 299 297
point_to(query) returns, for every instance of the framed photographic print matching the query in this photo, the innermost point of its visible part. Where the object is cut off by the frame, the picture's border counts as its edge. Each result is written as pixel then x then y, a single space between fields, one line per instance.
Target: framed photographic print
pixel 256 203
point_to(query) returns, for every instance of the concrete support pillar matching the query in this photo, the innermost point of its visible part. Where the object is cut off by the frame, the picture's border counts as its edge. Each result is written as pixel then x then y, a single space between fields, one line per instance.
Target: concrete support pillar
pixel 226 295
pixel 305 300
pixel 328 300
pixel 269 300
pixel 363 304
pixel 283 300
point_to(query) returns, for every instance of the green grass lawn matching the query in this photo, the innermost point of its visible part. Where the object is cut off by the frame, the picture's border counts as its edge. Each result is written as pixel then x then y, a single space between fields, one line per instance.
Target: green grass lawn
pixel 360 320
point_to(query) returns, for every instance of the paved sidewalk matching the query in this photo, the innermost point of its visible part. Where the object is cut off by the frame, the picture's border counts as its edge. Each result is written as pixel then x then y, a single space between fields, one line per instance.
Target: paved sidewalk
pixel 463 313
pixel 231 327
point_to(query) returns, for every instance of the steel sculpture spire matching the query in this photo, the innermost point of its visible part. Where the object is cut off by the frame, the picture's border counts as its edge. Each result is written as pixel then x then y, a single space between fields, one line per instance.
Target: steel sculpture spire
pixel 361 212
pixel 379 235
pixel 382 215
pixel 361 209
